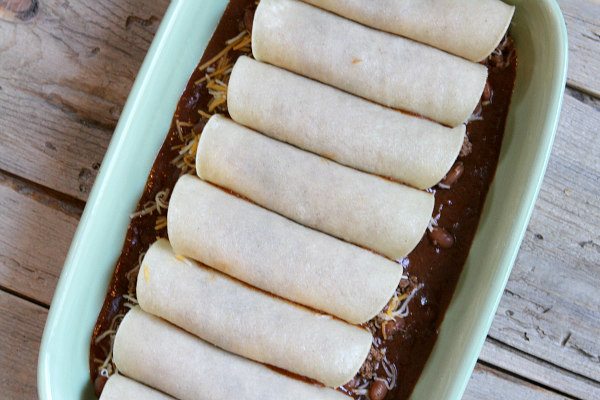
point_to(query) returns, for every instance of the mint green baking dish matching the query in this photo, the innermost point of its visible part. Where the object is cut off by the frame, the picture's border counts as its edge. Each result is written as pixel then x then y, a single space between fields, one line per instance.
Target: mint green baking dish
pixel 541 39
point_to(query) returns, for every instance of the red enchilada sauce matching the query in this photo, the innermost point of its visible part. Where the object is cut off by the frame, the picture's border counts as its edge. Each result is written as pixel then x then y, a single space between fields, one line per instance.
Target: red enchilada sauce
pixel 402 345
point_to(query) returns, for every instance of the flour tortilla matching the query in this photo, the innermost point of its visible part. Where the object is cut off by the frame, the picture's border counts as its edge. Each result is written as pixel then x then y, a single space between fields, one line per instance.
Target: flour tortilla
pixel 277 255
pixel 359 208
pixel 379 66
pixel 120 388
pixel 248 322
pixel 164 357
pixel 468 28
pixel 344 128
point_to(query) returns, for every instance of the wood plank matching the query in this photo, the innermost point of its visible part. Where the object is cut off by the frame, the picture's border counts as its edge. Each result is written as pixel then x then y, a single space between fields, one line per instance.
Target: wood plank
pixel 21 326
pixel 551 307
pixel 65 75
pixel 64 78
pixel 22 323
pixel 550 376
pixel 50 148
pixel 32 212
pixel 36 236
pixel 18 10
pixel 490 384
pixel 583 26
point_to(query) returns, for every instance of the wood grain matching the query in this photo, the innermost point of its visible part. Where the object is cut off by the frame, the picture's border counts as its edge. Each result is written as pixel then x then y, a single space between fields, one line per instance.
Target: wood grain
pixel 50 148
pixel 540 262
pixel 64 93
pixel 39 229
pixel 551 307
pixel 21 326
pixel 539 371
pixel 22 323
pixel 18 10
pixel 64 78
pixel 490 384
pixel 582 18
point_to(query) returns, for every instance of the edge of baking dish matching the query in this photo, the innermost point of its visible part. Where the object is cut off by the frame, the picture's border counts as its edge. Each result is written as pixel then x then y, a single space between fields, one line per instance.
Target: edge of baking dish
pixel 178 45
pixel 184 32
pixel 541 39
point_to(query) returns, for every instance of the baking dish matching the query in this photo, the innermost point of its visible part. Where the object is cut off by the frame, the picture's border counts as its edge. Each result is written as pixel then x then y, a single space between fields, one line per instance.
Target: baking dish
pixel 540 35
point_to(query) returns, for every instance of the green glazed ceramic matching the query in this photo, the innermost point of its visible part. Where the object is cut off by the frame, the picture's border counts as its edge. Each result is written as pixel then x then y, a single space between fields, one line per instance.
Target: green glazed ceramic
pixel 541 39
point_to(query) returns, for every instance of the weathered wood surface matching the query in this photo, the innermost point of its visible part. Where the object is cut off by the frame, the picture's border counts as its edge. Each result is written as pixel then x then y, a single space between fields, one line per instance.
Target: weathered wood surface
pixel 490 384
pixel 64 76
pixel 551 306
pixel 21 326
pixel 63 95
pixel 525 365
pixel 582 18
pixel 31 268
pixel 38 232
pixel 18 10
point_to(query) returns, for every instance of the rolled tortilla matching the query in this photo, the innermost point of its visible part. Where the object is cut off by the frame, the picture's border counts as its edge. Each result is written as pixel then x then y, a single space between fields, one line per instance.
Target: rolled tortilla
pixel 345 128
pixel 359 208
pixel 468 28
pixel 378 66
pixel 173 361
pixel 120 388
pixel 277 255
pixel 248 322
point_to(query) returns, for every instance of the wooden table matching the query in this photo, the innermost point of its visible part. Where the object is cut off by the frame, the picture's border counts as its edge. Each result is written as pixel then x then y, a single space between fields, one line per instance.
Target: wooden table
pixel 66 68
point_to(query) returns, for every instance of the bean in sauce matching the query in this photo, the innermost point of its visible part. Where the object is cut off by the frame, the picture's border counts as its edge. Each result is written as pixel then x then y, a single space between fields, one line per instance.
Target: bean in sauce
pixel 99 383
pixel 441 237
pixel 453 176
pixel 378 390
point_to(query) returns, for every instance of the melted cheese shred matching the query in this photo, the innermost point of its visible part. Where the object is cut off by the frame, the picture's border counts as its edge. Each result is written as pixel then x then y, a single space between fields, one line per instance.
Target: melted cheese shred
pixel 164 357
pixel 385 68
pixel 249 322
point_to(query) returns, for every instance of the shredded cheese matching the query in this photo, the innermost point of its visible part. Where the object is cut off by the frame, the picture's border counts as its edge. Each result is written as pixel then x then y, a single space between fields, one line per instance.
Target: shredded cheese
pixel 216 71
pixel 146 274
pixel 160 203
pixel 204 114
pixel 161 223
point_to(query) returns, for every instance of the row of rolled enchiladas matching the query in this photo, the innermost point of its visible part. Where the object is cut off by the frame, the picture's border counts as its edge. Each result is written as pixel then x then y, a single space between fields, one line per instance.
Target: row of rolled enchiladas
pixel 286 241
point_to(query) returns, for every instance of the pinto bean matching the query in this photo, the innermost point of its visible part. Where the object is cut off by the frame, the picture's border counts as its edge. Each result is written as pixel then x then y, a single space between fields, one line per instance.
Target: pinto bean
pixel 441 238
pixel 378 390
pixel 99 383
pixel 454 174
